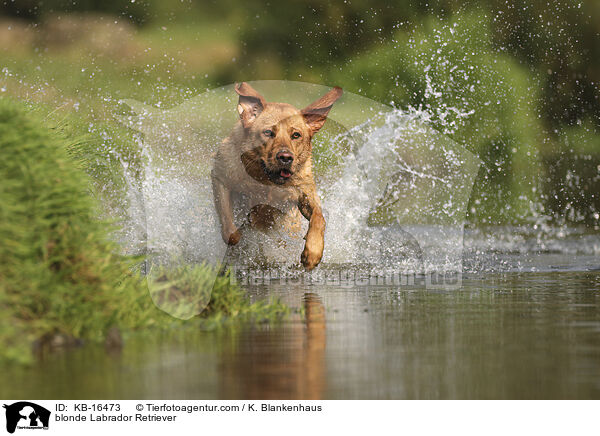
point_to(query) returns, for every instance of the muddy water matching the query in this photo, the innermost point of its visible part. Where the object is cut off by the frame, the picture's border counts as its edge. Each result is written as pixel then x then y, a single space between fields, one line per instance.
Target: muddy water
pixel 525 323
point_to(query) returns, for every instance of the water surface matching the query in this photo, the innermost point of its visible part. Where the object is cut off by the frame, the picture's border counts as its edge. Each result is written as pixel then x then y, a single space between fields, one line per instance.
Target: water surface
pixel 527 325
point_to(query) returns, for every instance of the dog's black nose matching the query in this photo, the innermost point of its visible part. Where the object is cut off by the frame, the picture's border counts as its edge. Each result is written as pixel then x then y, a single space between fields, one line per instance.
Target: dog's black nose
pixel 285 157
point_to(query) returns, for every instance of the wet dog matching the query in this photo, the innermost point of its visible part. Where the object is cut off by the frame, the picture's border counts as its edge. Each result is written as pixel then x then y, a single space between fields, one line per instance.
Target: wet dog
pixel 266 164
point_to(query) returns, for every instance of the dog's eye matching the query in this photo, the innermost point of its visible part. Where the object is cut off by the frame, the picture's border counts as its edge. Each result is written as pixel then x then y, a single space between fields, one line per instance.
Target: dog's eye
pixel 296 135
pixel 268 133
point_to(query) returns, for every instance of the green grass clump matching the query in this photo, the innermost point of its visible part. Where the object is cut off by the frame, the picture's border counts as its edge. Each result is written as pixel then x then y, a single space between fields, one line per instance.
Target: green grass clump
pixel 59 271
pixel 57 268
pixel 185 291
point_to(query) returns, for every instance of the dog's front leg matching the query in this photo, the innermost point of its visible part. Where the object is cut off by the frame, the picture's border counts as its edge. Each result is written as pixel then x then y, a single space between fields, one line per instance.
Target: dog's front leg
pixel 310 207
pixel 222 196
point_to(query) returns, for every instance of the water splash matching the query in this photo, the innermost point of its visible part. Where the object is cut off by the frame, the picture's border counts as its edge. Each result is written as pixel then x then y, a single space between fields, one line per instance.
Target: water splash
pixel 408 187
pixel 394 190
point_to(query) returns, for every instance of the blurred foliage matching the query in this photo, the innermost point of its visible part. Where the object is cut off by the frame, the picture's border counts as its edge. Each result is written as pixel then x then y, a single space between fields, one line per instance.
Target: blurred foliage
pixel 479 98
pixel 510 80
pixel 35 9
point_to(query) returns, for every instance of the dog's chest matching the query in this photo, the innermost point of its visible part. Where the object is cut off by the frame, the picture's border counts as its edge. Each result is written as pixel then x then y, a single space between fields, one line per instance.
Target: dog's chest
pixel 256 193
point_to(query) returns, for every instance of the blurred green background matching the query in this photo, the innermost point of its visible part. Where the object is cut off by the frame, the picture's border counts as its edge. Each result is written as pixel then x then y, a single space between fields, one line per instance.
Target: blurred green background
pixel 515 82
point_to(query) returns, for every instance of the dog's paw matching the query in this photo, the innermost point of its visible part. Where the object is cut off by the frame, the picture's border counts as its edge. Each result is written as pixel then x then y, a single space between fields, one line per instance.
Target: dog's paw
pixel 232 238
pixel 310 258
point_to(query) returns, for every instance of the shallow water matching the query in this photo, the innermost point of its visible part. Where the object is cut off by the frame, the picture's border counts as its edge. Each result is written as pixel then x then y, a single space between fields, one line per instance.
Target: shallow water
pixel 524 324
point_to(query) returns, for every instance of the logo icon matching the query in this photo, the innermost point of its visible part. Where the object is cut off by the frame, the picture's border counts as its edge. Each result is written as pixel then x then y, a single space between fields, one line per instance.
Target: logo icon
pixel 26 415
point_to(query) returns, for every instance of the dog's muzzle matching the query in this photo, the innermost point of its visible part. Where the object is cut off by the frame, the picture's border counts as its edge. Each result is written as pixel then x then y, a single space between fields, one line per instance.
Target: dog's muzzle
pixel 279 175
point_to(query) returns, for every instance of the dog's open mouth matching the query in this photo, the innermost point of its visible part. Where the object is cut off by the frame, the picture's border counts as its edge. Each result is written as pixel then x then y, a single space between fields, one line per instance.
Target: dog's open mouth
pixel 279 175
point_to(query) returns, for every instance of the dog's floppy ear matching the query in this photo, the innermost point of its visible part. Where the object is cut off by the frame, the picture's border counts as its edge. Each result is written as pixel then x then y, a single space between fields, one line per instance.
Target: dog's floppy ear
pixel 315 114
pixel 250 104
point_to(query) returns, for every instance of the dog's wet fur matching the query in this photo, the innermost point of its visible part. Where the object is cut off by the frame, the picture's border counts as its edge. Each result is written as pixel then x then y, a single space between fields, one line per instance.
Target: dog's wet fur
pixel 266 163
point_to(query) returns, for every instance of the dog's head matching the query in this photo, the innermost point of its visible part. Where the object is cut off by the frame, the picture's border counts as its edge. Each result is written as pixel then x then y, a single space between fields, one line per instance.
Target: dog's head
pixel 277 136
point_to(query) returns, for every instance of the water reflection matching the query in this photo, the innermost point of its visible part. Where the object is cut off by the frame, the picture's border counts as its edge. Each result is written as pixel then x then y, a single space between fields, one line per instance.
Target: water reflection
pixel 513 335
pixel 284 363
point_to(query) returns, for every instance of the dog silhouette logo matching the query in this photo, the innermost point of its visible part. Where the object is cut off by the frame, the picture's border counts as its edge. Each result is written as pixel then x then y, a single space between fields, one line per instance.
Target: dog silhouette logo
pixel 26 415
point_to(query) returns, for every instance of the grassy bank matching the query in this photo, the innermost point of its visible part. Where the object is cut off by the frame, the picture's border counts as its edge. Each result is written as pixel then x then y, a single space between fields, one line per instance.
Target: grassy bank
pixel 60 275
